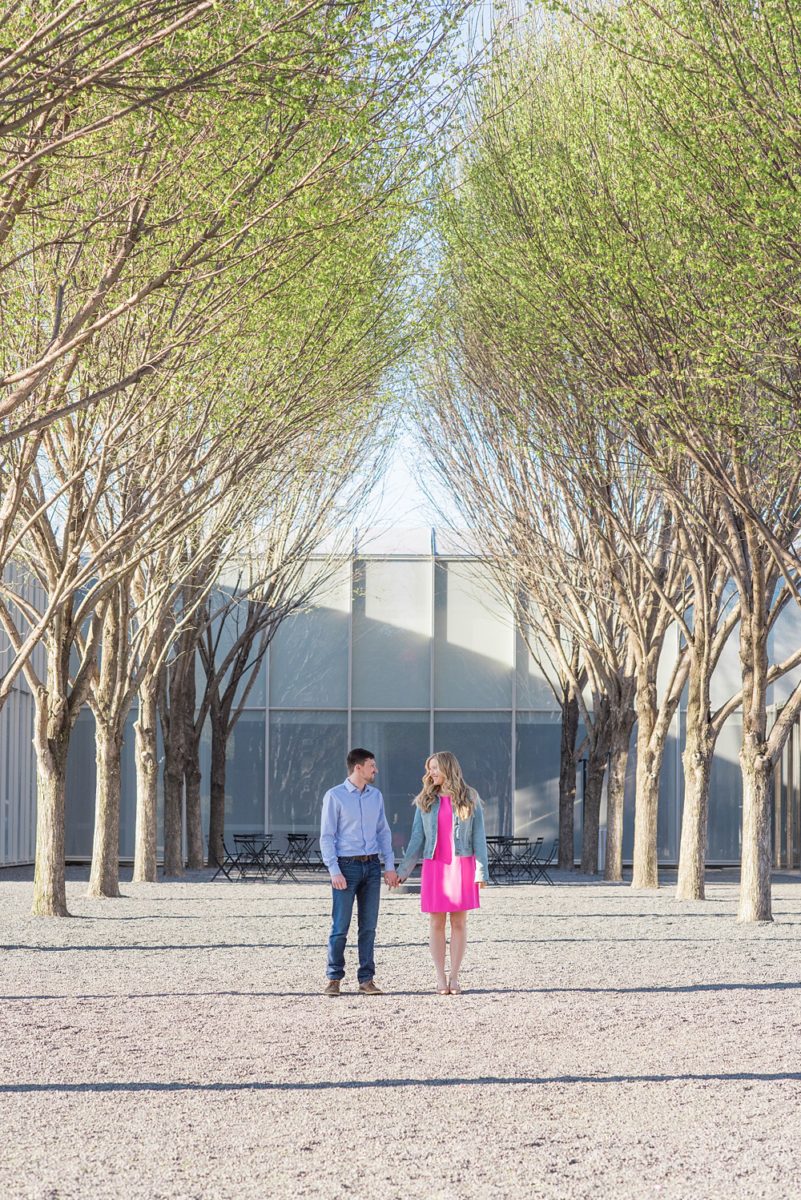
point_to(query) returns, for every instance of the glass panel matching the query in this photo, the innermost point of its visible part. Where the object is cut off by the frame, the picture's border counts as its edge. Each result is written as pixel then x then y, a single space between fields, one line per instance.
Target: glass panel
pixel 667 816
pixel 226 630
pixel 474 639
pixel 244 775
pixel 727 676
pixel 782 644
pixel 392 634
pixel 726 794
pixel 309 654
pixel 537 776
pixel 400 742
pixel 307 756
pixel 483 744
pixel 533 689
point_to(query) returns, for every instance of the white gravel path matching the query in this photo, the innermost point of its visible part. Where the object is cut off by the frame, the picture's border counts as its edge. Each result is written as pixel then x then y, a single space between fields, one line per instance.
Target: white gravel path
pixel 609 1043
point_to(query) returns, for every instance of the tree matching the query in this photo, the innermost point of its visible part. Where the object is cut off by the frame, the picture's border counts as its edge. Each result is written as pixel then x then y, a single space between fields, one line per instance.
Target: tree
pixel 621 267
pixel 77 562
pixel 508 483
pixel 194 209
pixel 282 569
pixel 713 251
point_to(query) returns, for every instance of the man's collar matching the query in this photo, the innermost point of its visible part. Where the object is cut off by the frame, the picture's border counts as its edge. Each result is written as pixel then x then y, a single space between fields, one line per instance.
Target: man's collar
pixel 352 786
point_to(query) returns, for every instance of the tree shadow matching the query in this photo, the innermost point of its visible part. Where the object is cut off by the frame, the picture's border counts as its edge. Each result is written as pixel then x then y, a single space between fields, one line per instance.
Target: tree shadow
pixel 155 1086
pixel 652 990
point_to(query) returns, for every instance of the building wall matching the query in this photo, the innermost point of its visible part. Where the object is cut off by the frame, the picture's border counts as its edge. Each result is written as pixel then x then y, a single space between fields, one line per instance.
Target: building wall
pixel 17 758
pixel 405 655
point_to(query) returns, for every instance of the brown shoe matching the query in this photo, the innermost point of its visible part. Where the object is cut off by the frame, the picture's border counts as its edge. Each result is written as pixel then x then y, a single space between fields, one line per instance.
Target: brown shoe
pixel 332 988
pixel 370 989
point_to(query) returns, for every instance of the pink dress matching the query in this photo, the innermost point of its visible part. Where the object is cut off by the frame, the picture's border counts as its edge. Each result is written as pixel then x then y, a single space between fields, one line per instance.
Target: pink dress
pixel 448 883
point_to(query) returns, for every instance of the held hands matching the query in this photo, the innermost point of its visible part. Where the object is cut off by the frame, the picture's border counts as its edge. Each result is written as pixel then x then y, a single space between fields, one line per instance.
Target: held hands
pixel 391 879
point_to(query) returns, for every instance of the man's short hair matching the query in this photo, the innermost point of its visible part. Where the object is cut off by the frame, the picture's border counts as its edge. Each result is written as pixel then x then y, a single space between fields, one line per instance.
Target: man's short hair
pixel 357 757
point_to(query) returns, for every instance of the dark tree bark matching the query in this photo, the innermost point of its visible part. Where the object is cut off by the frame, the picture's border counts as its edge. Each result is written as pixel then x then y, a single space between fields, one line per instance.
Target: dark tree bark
pixel 596 772
pixel 219 741
pixel 567 776
pixel 620 745
pixel 172 727
pixel 193 729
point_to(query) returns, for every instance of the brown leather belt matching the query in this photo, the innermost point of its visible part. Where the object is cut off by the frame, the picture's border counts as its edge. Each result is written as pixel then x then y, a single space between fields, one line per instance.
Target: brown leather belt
pixel 358 857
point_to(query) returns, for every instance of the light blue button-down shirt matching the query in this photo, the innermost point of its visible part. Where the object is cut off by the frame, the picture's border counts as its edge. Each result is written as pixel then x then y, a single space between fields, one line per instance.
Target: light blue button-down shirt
pixel 354 822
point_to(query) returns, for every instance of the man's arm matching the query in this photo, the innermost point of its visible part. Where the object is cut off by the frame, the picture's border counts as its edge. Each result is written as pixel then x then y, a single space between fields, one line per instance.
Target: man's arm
pixel 384 837
pixel 328 829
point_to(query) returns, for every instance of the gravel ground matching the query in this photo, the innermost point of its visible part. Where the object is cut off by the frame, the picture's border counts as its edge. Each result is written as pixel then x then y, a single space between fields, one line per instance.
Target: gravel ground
pixel 608 1043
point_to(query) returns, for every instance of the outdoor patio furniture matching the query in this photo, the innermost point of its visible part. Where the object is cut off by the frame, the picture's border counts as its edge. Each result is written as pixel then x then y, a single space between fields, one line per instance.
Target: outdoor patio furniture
pixel 526 853
pixel 229 863
pixel 499 847
pixel 495 852
pixel 255 855
pixel 300 848
pixel 542 864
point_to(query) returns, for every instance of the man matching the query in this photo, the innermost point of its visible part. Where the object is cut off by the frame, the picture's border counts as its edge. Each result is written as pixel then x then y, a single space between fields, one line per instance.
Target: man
pixel 353 834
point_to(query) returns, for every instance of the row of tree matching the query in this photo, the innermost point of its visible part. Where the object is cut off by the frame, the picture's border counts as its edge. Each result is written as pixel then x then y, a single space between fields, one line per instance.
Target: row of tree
pixel 615 385
pixel 203 282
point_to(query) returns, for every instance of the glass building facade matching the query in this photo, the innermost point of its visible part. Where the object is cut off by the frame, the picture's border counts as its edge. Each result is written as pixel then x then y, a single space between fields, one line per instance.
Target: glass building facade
pixel 403 654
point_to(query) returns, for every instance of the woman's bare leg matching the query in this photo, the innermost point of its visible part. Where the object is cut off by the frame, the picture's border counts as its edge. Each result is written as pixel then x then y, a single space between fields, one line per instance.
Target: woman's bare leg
pixel 458 943
pixel 436 943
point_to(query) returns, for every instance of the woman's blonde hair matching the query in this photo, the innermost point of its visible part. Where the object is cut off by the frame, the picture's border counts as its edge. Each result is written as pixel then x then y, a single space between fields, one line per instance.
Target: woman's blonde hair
pixel 463 798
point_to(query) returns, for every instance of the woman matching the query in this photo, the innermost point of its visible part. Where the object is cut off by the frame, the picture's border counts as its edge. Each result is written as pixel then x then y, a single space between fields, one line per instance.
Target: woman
pixel 449 832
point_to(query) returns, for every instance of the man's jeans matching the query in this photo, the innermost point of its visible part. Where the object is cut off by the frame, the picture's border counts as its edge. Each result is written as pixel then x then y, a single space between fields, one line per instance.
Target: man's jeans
pixel 364 886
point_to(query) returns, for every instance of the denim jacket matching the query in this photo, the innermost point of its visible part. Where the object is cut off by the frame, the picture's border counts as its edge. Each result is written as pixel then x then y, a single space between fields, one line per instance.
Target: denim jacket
pixel 469 838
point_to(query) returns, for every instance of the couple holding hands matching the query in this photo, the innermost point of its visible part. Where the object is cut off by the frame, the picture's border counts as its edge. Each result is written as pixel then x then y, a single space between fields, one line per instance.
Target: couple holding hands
pixel 447 833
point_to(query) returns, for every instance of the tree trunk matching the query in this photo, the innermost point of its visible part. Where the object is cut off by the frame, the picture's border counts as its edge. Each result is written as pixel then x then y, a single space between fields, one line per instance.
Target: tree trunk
pixel 104 879
pixel 173 735
pixel 615 797
pixel 146 787
pixel 173 809
pixel 596 772
pixel 755 889
pixel 191 753
pixel 645 872
pixel 697 759
pixel 567 777
pixel 49 887
pixel 755 763
pixel 219 741
pixel 194 821
pixel 56 711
